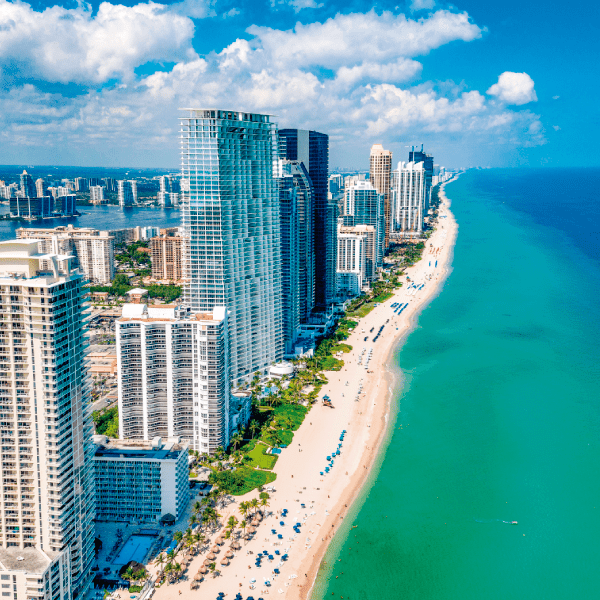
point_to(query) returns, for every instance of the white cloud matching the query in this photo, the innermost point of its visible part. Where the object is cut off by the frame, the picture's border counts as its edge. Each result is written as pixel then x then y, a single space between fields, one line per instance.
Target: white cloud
pixel 297 5
pixel 514 88
pixel 556 127
pixel 416 5
pixel 555 97
pixel 350 39
pixel 197 9
pixel 232 12
pixel 350 76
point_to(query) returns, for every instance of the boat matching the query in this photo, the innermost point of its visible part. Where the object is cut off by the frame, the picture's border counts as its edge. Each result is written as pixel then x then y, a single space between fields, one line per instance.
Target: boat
pixel 514 522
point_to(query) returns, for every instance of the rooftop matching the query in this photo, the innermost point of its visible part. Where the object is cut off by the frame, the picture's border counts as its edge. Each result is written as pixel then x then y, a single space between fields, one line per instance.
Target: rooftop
pixel 140 449
pixel 25 559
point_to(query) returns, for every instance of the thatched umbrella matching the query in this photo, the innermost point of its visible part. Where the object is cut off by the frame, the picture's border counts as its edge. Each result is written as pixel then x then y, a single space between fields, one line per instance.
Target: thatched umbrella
pixel 229 554
pixel 203 570
pixel 220 541
pixel 212 556
pixel 247 536
pixel 215 549
pixel 254 523
pixel 236 545
pixel 251 529
pixel 224 561
pixel 259 516
pixel 198 577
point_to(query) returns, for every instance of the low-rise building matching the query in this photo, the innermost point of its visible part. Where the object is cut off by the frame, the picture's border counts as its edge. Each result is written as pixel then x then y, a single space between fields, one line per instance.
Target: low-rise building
pixel 140 481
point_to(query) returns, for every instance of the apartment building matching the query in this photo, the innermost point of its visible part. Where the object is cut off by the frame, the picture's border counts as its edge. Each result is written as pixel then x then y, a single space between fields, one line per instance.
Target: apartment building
pixel 93 250
pixel 174 375
pixel 47 503
pixel 409 199
pixel 380 175
pixel 167 257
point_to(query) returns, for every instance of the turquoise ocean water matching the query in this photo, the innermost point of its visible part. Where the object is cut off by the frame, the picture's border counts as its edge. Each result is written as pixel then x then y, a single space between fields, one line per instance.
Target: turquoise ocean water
pixel 499 416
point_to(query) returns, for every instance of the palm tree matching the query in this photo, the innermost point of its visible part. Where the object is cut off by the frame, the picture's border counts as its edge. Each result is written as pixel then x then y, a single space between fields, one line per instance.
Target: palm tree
pixel 160 560
pixel 178 536
pixel 244 508
pixel 128 575
pixel 254 503
pixel 236 439
pixel 212 567
pixel 193 520
pixel 171 555
pixel 264 502
pixel 199 539
pixel 232 522
pixel 197 507
pixel 243 525
pixel 254 426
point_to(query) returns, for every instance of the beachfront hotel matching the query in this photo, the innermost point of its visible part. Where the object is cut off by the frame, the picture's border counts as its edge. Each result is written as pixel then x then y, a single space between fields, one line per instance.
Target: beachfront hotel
pixel 380 175
pixel 140 481
pixel 408 199
pixel 311 148
pixel 231 213
pixel 173 375
pixel 47 503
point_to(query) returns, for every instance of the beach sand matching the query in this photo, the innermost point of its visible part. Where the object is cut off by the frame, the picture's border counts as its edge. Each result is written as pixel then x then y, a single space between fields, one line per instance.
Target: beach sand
pixel 328 498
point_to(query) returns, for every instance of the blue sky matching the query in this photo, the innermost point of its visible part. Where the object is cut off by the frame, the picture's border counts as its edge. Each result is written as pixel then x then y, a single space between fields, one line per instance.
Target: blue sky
pixel 479 83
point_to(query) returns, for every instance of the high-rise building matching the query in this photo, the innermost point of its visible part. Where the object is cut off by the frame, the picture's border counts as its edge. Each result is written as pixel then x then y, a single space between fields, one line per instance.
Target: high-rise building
pixel 109 184
pixel 231 228
pixel 356 266
pixel 32 207
pixel 27 186
pixel 94 181
pixel 366 207
pixel 41 188
pixel 312 149
pixel 97 194
pixel 81 184
pixel 408 199
pixel 47 532
pixel 174 375
pixel 66 205
pixel 416 156
pixel 380 174
pixel 127 191
pixel 167 257
pixel 93 250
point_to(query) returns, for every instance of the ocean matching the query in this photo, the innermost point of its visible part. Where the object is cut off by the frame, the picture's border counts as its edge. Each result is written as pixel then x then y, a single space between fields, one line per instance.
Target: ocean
pixel 98 217
pixel 498 415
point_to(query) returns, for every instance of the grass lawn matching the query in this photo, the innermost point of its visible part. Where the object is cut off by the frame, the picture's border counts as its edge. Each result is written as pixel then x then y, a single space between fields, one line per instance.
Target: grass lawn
pixel 285 435
pixel 342 347
pixel 260 459
pixel 254 479
pixel 329 363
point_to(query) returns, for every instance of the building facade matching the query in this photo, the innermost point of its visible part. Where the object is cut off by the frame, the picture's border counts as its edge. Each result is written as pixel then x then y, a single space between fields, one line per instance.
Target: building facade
pixel 97 194
pixel 408 199
pixel 380 175
pixel 174 375
pixel 47 504
pixel 127 192
pixel 27 186
pixel 140 481
pixel 312 149
pixel 167 257
pixel 32 207
pixel 417 156
pixel 365 205
pixel 230 205
pixel 93 250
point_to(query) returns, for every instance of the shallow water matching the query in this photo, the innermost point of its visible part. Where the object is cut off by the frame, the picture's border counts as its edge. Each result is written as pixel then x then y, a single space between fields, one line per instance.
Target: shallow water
pixel 499 414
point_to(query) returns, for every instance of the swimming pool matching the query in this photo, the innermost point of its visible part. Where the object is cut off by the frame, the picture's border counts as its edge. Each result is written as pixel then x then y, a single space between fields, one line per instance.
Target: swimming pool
pixel 275 451
pixel 135 548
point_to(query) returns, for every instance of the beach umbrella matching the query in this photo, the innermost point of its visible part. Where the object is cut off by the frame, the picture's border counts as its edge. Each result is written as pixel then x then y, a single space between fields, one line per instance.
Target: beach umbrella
pixel 220 541
pixel 229 554
pixel 197 577
pixel 251 529
pixel 254 523
pixel 203 570
pixel 236 545
pixel 259 516
pixel 215 549
pixel 212 556
pixel 225 561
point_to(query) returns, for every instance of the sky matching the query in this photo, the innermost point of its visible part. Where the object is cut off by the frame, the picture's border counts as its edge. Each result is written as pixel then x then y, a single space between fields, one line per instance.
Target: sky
pixel 479 83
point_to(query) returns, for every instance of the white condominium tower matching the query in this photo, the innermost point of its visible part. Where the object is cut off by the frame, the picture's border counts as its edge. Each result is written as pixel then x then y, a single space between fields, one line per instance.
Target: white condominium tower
pixel 127 192
pixel 47 502
pixel 230 205
pixel 173 375
pixel 408 199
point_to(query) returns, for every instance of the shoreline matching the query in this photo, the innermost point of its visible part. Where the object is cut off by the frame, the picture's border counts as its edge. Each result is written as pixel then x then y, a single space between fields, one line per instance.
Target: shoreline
pixel 364 408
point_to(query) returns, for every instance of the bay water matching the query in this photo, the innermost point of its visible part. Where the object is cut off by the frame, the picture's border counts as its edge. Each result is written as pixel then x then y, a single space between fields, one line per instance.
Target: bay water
pixel 497 417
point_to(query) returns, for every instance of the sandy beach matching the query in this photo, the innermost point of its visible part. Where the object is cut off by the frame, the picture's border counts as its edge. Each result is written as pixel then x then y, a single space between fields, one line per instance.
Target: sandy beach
pixel 320 502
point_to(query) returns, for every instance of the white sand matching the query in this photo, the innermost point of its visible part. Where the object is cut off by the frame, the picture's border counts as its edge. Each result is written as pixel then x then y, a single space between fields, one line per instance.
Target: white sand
pixel 327 498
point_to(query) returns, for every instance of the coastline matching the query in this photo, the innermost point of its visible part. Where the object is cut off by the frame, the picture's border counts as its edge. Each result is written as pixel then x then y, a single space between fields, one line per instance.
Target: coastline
pixel 321 502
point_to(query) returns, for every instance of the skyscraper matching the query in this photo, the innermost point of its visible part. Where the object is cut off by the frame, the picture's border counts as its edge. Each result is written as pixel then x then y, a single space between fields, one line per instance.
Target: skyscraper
pixel 366 207
pixel 231 227
pixel 417 156
pixel 408 199
pixel 127 191
pixel 41 188
pixel 380 173
pixel 47 541
pixel 27 186
pixel 312 149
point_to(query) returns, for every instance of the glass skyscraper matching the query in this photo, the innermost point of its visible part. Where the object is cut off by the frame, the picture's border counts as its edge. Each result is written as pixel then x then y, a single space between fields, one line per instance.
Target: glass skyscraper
pixel 312 149
pixel 230 204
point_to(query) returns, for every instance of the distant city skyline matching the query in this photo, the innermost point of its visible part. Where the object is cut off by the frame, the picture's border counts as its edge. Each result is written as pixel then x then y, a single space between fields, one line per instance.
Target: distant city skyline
pixel 475 82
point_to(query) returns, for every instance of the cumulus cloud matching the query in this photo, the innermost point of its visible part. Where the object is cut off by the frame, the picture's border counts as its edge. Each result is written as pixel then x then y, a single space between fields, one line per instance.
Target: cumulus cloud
pixel 352 76
pixel 514 88
pixel 70 45
pixel 416 5
pixel 297 5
